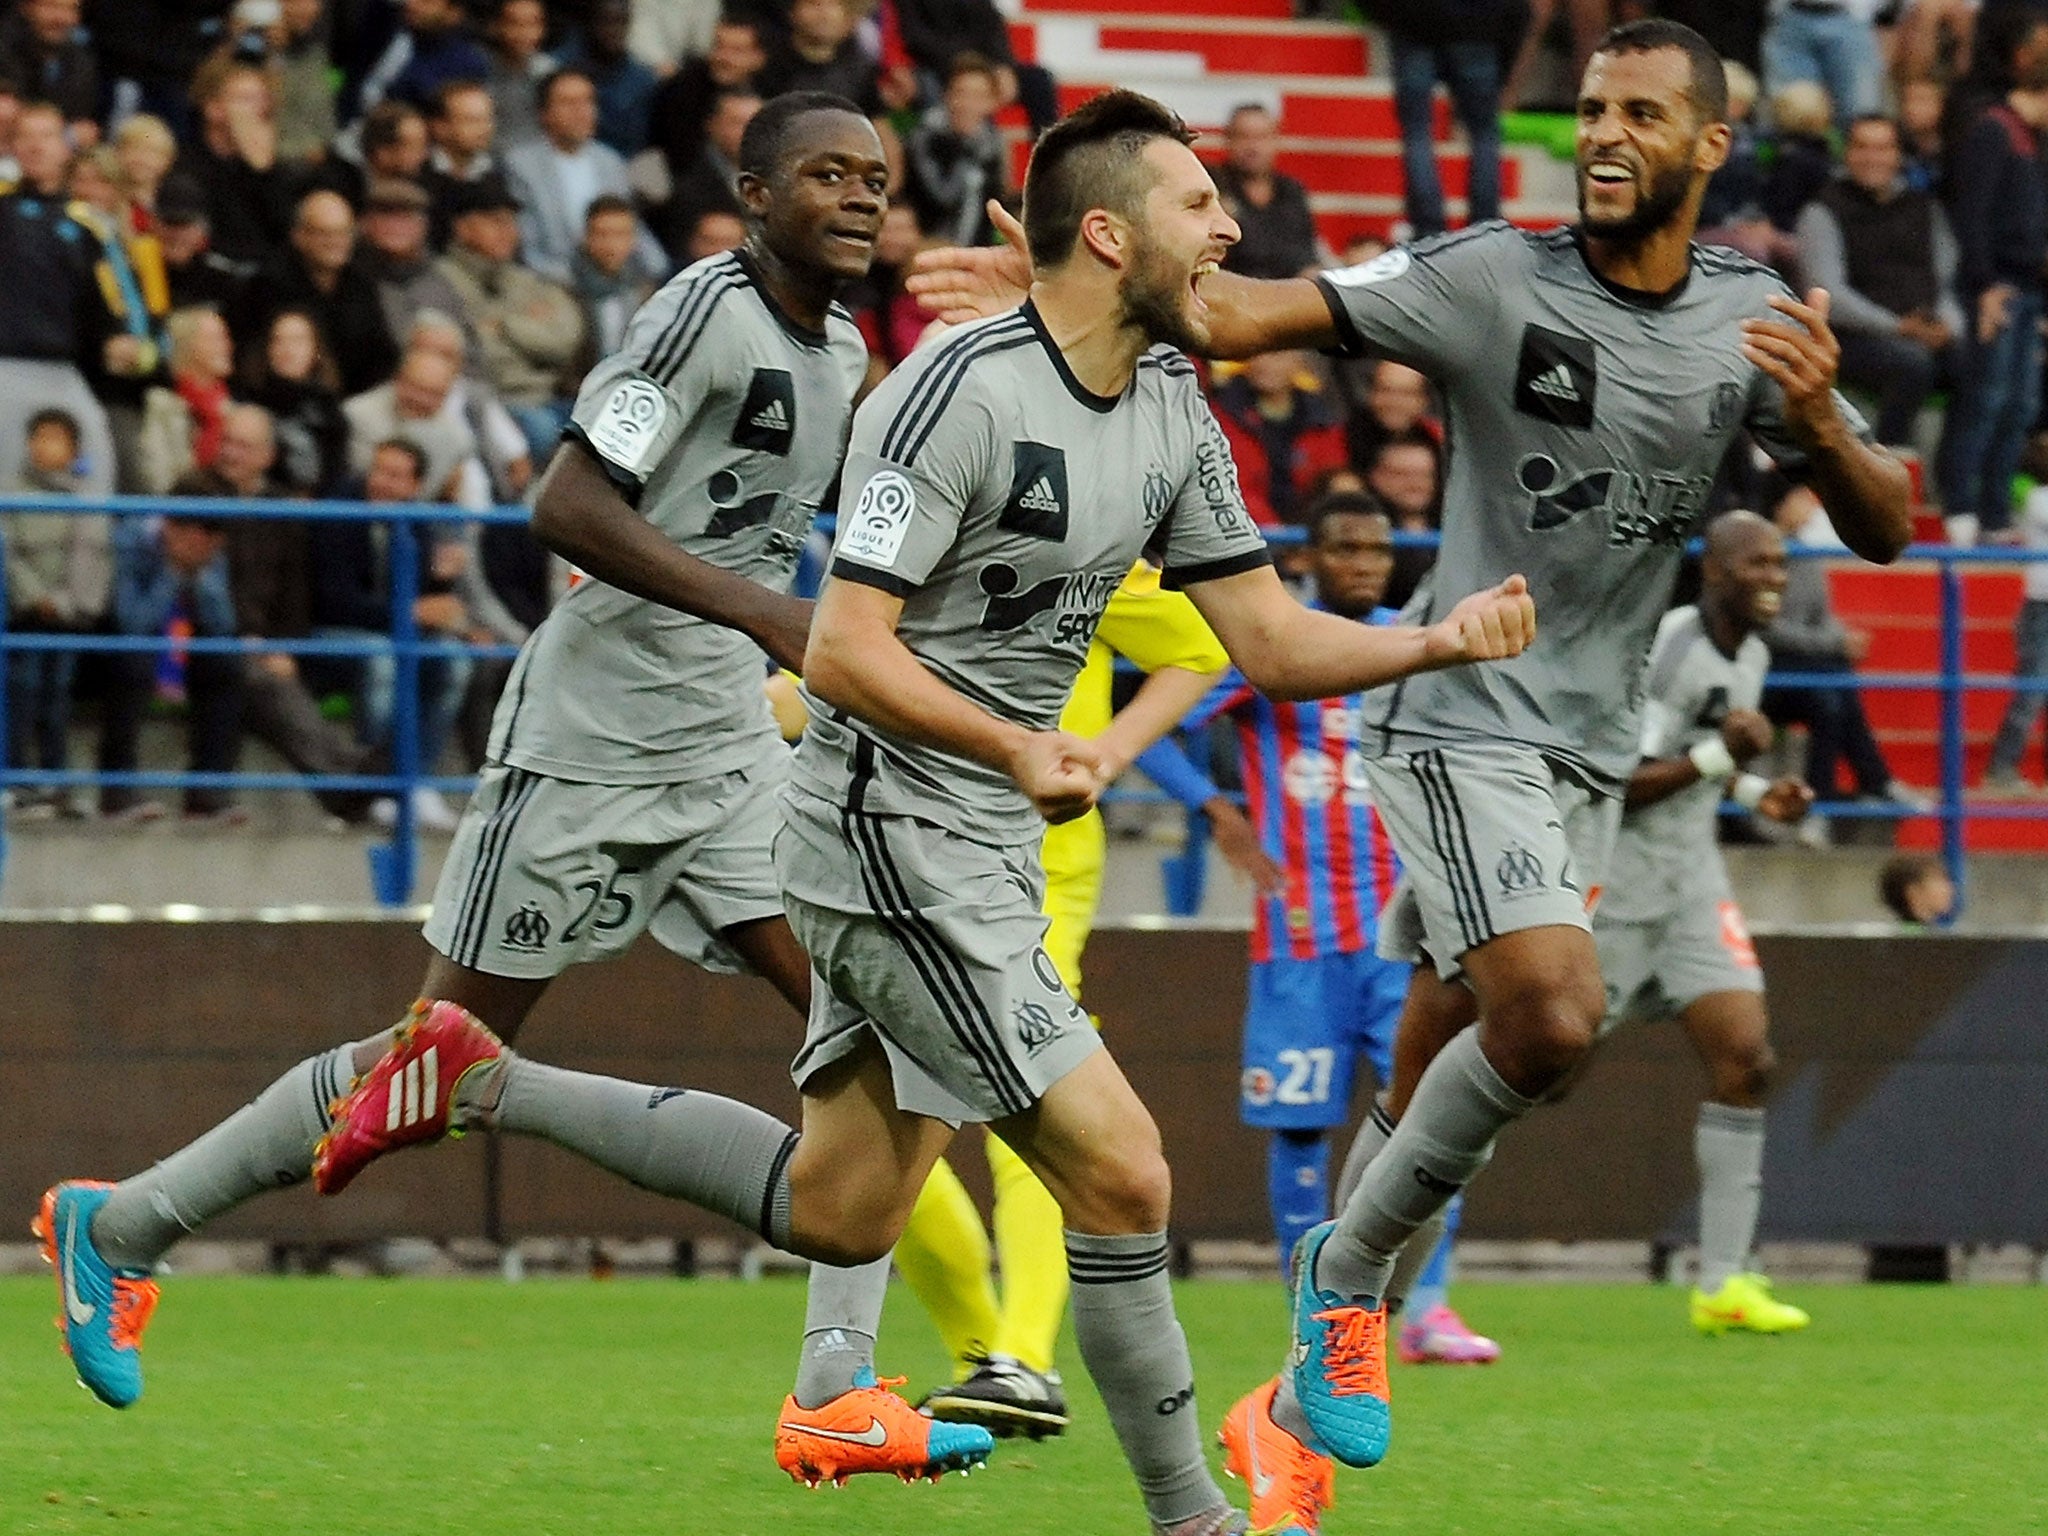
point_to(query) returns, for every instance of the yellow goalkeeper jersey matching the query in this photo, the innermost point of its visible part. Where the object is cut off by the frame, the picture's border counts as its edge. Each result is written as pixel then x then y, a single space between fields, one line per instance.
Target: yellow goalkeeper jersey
pixel 1153 628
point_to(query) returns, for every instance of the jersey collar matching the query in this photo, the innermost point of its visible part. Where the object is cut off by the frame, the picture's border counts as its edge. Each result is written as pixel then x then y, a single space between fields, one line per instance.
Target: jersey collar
pixel 797 331
pixel 1102 403
pixel 1634 298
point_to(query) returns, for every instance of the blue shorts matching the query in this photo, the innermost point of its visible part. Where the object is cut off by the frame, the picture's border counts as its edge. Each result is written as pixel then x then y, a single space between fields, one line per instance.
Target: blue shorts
pixel 1304 1026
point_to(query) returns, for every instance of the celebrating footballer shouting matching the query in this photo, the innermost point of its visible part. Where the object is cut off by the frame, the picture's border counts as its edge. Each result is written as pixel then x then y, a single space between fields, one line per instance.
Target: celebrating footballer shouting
pixel 1595 376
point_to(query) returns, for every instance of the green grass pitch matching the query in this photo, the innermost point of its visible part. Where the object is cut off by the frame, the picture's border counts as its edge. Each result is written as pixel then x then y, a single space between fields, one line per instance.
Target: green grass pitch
pixel 612 1409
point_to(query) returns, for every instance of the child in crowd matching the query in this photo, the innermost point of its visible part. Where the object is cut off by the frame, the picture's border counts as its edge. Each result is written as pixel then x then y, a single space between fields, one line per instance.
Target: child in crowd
pixel 59 567
pixel 1917 889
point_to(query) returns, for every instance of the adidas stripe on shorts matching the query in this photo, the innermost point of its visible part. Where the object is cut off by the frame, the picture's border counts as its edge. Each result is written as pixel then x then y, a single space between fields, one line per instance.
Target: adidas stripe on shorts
pixel 1493 839
pixel 933 944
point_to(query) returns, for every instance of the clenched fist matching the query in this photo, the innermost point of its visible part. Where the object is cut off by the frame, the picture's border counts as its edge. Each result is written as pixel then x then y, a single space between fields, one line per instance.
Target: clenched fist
pixel 1487 626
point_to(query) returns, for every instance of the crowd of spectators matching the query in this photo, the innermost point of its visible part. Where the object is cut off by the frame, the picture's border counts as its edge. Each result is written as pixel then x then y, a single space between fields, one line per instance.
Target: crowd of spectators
pixel 368 248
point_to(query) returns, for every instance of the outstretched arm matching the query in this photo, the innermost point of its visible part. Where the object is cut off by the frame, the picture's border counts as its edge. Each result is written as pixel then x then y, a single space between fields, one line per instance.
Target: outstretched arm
pixel 580 515
pixel 1287 651
pixel 1246 315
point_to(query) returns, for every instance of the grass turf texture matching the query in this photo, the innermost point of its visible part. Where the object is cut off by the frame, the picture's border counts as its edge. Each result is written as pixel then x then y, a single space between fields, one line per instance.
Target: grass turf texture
pixel 398 1407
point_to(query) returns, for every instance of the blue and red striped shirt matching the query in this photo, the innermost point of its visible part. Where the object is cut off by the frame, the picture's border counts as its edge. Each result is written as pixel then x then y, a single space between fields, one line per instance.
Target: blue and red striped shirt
pixel 1307 797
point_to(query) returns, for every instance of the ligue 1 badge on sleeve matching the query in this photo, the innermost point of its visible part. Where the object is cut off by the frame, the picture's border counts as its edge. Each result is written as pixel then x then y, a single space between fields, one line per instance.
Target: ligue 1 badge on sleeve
pixel 1383 268
pixel 627 430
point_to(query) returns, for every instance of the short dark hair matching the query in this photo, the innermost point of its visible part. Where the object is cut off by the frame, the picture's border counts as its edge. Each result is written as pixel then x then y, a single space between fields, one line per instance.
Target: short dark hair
pixel 555 77
pixel 1414 437
pixel 1243 107
pixel 1654 34
pixel 608 202
pixel 410 449
pixel 968 62
pixel 1332 505
pixel 1883 120
pixel 1091 158
pixel 383 121
pixel 765 143
pixel 1896 880
pixel 53 416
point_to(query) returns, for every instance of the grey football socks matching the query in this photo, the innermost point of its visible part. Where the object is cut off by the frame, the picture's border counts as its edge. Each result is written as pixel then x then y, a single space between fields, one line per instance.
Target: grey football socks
pixel 1374 1134
pixel 1444 1139
pixel 842 1318
pixel 266 1144
pixel 1137 1356
pixel 716 1153
pixel 1729 1144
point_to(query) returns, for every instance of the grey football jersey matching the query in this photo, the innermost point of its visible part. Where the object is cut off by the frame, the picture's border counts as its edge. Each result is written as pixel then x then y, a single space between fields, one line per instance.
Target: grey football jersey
pixel 1586 426
pixel 724 421
pixel 1667 854
pixel 1005 503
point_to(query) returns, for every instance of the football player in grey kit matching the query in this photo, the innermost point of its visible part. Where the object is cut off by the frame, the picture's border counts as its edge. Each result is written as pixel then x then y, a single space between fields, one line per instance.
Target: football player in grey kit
pixel 633 761
pixel 1595 376
pixel 1671 938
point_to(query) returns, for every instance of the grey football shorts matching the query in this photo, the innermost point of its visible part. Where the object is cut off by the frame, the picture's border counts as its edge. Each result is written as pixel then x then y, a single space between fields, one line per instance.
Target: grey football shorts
pixel 1657 970
pixel 934 945
pixel 1493 839
pixel 546 873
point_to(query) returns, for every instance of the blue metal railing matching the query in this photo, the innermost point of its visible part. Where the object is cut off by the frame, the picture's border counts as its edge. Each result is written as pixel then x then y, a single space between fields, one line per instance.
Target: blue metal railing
pixel 394 862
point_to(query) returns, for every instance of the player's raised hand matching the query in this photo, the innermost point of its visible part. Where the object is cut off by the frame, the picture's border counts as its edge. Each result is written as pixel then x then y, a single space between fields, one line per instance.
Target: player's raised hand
pixel 1801 354
pixel 960 283
pixel 1787 800
pixel 1061 774
pixel 1487 626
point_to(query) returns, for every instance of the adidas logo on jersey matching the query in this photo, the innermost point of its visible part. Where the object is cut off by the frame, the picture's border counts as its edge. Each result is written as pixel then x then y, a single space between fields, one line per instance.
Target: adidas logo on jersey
pixel 1040 498
pixel 767 419
pixel 1557 384
pixel 1037 507
pixel 1556 377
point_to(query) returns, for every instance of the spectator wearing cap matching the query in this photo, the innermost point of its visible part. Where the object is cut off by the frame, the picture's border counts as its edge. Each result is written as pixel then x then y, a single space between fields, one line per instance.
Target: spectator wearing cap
pixel 517 65
pixel 625 86
pixel 464 129
pixel 43 47
pixel 396 256
pixel 196 272
pixel 529 330
pixel 1277 232
pixel 54 329
pixel 736 61
pixel 711 184
pixel 320 273
pixel 430 48
pixel 234 160
pixel 557 176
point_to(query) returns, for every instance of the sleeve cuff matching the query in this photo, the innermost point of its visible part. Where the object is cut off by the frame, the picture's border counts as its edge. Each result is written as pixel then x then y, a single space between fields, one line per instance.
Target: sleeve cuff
pixel 1349 342
pixel 1175 579
pixel 622 481
pixel 868 576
